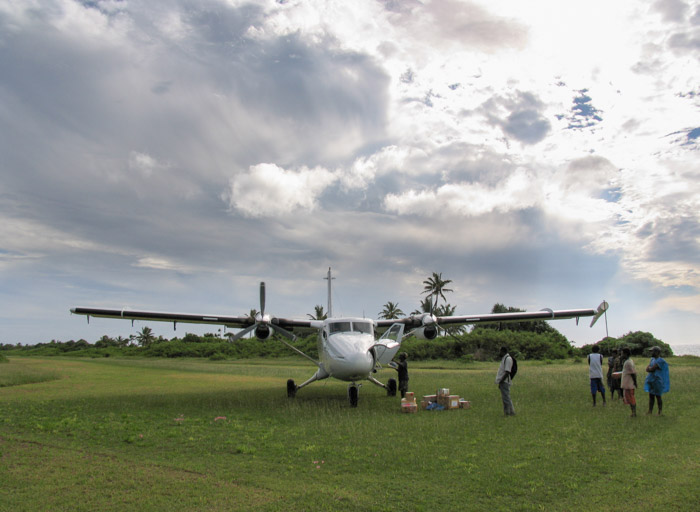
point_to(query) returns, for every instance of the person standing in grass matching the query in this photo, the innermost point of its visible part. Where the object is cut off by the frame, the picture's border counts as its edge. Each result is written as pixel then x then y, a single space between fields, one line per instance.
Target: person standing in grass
pixel 658 380
pixel 617 368
pixel 629 381
pixel 611 364
pixel 402 368
pixel 503 380
pixel 595 373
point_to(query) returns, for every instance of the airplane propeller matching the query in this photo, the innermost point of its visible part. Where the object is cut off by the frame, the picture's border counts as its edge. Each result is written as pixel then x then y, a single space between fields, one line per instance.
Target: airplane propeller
pixel 263 325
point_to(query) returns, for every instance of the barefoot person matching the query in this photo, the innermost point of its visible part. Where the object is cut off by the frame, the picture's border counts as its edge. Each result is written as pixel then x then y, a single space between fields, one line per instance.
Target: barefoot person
pixel 629 381
pixel 658 381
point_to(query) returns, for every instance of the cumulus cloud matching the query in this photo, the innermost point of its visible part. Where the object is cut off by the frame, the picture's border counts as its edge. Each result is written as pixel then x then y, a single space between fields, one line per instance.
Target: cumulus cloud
pixel 467 199
pixel 267 190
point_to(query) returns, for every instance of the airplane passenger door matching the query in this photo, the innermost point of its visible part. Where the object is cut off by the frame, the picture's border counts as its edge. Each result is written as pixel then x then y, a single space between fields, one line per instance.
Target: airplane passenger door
pixel 389 343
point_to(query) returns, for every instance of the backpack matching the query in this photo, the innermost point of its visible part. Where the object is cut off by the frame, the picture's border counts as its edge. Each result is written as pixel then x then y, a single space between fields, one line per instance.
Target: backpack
pixel 514 368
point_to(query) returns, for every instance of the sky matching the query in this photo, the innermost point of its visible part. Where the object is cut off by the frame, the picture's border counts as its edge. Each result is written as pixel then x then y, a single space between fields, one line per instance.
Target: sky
pixel 171 155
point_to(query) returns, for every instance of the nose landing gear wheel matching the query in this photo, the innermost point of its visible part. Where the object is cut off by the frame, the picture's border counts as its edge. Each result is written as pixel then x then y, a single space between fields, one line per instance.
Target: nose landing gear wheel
pixel 291 389
pixel 391 387
pixel 352 395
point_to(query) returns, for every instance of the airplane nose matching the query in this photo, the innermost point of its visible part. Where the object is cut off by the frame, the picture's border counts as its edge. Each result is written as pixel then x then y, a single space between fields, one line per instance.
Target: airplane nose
pixel 357 365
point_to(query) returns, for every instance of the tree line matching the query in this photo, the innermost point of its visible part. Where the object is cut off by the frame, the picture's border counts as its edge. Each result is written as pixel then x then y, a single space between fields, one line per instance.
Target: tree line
pixel 526 340
pixel 480 344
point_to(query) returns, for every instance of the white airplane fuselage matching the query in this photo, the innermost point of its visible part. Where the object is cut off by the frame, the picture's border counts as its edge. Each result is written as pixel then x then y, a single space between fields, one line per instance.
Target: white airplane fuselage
pixel 345 348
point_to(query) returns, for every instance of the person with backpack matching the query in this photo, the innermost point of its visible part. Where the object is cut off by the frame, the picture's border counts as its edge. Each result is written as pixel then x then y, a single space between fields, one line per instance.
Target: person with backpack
pixel 504 379
pixel 595 373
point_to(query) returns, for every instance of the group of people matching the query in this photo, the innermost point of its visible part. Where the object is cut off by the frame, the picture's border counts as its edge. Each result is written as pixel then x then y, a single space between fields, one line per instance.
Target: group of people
pixel 622 377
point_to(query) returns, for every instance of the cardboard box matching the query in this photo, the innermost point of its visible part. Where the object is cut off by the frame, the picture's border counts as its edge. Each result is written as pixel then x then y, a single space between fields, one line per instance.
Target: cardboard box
pixel 443 392
pixel 465 404
pixel 409 407
pixel 453 402
pixel 424 404
pixel 430 398
pixel 410 396
pixel 443 400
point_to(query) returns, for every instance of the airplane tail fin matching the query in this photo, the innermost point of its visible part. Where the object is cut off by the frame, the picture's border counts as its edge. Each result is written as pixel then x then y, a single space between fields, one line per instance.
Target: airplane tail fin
pixel 600 312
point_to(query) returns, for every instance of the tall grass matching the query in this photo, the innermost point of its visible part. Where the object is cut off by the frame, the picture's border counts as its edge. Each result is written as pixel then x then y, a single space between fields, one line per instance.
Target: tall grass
pixel 182 435
pixel 24 373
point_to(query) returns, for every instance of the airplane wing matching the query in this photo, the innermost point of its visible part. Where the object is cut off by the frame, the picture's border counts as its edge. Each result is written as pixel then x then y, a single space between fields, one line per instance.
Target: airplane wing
pixel 186 318
pixel 425 319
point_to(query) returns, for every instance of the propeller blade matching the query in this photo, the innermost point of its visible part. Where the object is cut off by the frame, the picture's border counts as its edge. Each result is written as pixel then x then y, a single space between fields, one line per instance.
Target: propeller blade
pixel 262 299
pixel 242 333
pixel 283 331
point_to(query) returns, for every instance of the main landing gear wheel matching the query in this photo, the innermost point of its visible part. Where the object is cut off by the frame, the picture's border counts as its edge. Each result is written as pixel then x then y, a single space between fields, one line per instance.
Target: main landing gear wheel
pixel 353 395
pixel 291 389
pixel 391 387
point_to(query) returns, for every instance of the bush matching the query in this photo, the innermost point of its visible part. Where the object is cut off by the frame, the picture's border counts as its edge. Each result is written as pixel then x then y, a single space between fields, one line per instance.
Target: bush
pixel 640 344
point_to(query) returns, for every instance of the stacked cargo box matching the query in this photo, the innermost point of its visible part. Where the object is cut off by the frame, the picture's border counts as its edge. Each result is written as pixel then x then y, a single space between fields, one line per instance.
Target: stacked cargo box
pixel 445 400
pixel 408 403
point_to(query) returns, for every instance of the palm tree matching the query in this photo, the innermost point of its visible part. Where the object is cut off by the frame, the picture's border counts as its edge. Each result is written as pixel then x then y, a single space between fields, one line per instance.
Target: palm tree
pixel 391 311
pixel 426 306
pixel 445 310
pixel 434 286
pixel 145 337
pixel 318 313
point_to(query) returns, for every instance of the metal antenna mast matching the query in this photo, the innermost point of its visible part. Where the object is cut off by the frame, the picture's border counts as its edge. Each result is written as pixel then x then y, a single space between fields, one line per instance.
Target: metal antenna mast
pixel 330 301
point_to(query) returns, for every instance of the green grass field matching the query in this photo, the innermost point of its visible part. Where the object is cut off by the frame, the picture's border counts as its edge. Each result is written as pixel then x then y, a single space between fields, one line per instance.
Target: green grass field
pixel 116 434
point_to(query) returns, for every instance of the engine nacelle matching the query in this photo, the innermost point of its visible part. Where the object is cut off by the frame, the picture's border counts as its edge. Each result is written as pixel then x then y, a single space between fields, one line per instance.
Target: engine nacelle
pixel 263 332
pixel 429 332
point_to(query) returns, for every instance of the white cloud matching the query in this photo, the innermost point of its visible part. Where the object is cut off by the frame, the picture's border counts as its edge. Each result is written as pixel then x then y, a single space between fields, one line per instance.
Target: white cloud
pixel 468 199
pixel 143 163
pixel 159 263
pixel 267 190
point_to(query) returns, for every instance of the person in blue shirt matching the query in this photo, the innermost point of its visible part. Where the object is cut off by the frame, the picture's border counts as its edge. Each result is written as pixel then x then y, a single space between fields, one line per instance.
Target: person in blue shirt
pixel 658 380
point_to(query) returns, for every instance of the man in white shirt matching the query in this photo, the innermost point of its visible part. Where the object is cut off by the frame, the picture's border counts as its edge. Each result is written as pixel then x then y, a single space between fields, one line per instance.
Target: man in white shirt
pixel 503 381
pixel 595 372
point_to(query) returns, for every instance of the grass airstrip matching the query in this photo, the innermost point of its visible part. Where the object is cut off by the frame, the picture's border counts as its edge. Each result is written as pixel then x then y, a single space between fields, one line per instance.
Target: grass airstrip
pixel 149 434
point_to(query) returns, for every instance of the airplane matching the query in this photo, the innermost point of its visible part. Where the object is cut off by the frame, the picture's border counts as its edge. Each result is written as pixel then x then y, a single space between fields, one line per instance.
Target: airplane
pixel 347 346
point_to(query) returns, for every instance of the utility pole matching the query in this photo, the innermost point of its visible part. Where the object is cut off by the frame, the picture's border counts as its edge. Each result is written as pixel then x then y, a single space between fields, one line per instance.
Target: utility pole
pixel 606 321
pixel 330 301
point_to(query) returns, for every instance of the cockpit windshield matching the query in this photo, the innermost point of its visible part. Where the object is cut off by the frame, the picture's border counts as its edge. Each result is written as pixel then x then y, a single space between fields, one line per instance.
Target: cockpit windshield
pixel 361 327
pixel 339 327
